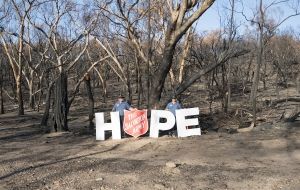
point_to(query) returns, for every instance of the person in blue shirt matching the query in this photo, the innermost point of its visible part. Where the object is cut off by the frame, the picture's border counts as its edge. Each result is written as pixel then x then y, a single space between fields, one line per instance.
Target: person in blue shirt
pixel 120 106
pixel 172 106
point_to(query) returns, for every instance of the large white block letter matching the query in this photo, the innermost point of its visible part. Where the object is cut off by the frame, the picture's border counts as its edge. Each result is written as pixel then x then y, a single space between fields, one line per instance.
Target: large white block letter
pixel 155 125
pixel 114 126
pixel 183 123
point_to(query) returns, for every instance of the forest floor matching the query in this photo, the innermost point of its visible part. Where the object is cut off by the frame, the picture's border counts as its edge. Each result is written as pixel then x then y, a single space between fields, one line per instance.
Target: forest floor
pixel 268 157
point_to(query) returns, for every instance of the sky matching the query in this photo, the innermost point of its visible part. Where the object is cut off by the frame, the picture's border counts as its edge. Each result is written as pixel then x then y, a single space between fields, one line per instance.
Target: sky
pixel 211 18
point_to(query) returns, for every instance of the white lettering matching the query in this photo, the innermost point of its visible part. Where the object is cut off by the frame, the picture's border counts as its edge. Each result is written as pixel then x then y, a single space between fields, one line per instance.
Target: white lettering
pixel 155 122
pixel 183 123
pixel 114 126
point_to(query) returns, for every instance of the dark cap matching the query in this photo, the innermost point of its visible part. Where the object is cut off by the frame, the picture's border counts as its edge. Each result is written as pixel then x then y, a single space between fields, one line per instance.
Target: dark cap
pixel 121 96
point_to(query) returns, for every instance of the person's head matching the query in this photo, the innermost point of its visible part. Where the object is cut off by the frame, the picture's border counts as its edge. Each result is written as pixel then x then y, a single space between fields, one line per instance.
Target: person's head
pixel 121 98
pixel 174 99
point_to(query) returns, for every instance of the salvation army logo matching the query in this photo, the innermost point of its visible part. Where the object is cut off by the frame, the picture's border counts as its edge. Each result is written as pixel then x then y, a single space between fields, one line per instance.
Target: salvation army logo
pixel 135 122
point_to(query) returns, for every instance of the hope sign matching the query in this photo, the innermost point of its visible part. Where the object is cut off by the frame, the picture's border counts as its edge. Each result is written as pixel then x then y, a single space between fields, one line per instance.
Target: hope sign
pixel 155 124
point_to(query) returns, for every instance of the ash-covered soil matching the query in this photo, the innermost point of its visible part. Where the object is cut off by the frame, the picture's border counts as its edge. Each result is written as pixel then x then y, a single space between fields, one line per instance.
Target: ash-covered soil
pixel 268 157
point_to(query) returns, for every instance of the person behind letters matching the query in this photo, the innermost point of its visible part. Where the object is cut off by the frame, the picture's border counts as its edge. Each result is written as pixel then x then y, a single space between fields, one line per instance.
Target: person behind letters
pixel 120 106
pixel 172 106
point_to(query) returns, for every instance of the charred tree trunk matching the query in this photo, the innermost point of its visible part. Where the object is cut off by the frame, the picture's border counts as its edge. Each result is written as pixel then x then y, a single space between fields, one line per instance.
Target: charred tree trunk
pixel 231 37
pixel 40 94
pixel 298 83
pixel 161 75
pixel 12 84
pixel 1 100
pixel 45 118
pixel 31 95
pixel 149 102
pixel 61 107
pixel 224 90
pixel 20 74
pixel 89 92
pixel 258 64
pixel 138 80
pixel 211 93
pixel 20 94
pixel 104 91
pixel 228 94
pixel 277 87
pixel 1 93
pixel 128 84
pixel 265 76
pixel 248 73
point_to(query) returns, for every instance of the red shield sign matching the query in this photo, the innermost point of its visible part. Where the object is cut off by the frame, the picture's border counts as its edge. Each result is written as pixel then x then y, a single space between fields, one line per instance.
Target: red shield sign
pixel 135 122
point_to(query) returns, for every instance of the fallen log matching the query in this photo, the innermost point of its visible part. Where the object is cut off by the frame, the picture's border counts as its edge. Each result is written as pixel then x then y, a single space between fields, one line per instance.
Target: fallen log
pixel 289 99
pixel 291 116
pixel 247 129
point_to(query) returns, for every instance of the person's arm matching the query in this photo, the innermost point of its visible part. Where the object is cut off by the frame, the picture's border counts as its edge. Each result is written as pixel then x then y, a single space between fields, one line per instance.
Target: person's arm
pixel 132 108
pixel 114 108
pixel 179 106
pixel 167 107
pixel 128 107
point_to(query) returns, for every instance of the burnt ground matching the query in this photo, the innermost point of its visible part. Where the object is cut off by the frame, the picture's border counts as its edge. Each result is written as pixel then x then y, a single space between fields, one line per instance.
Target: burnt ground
pixel 268 157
